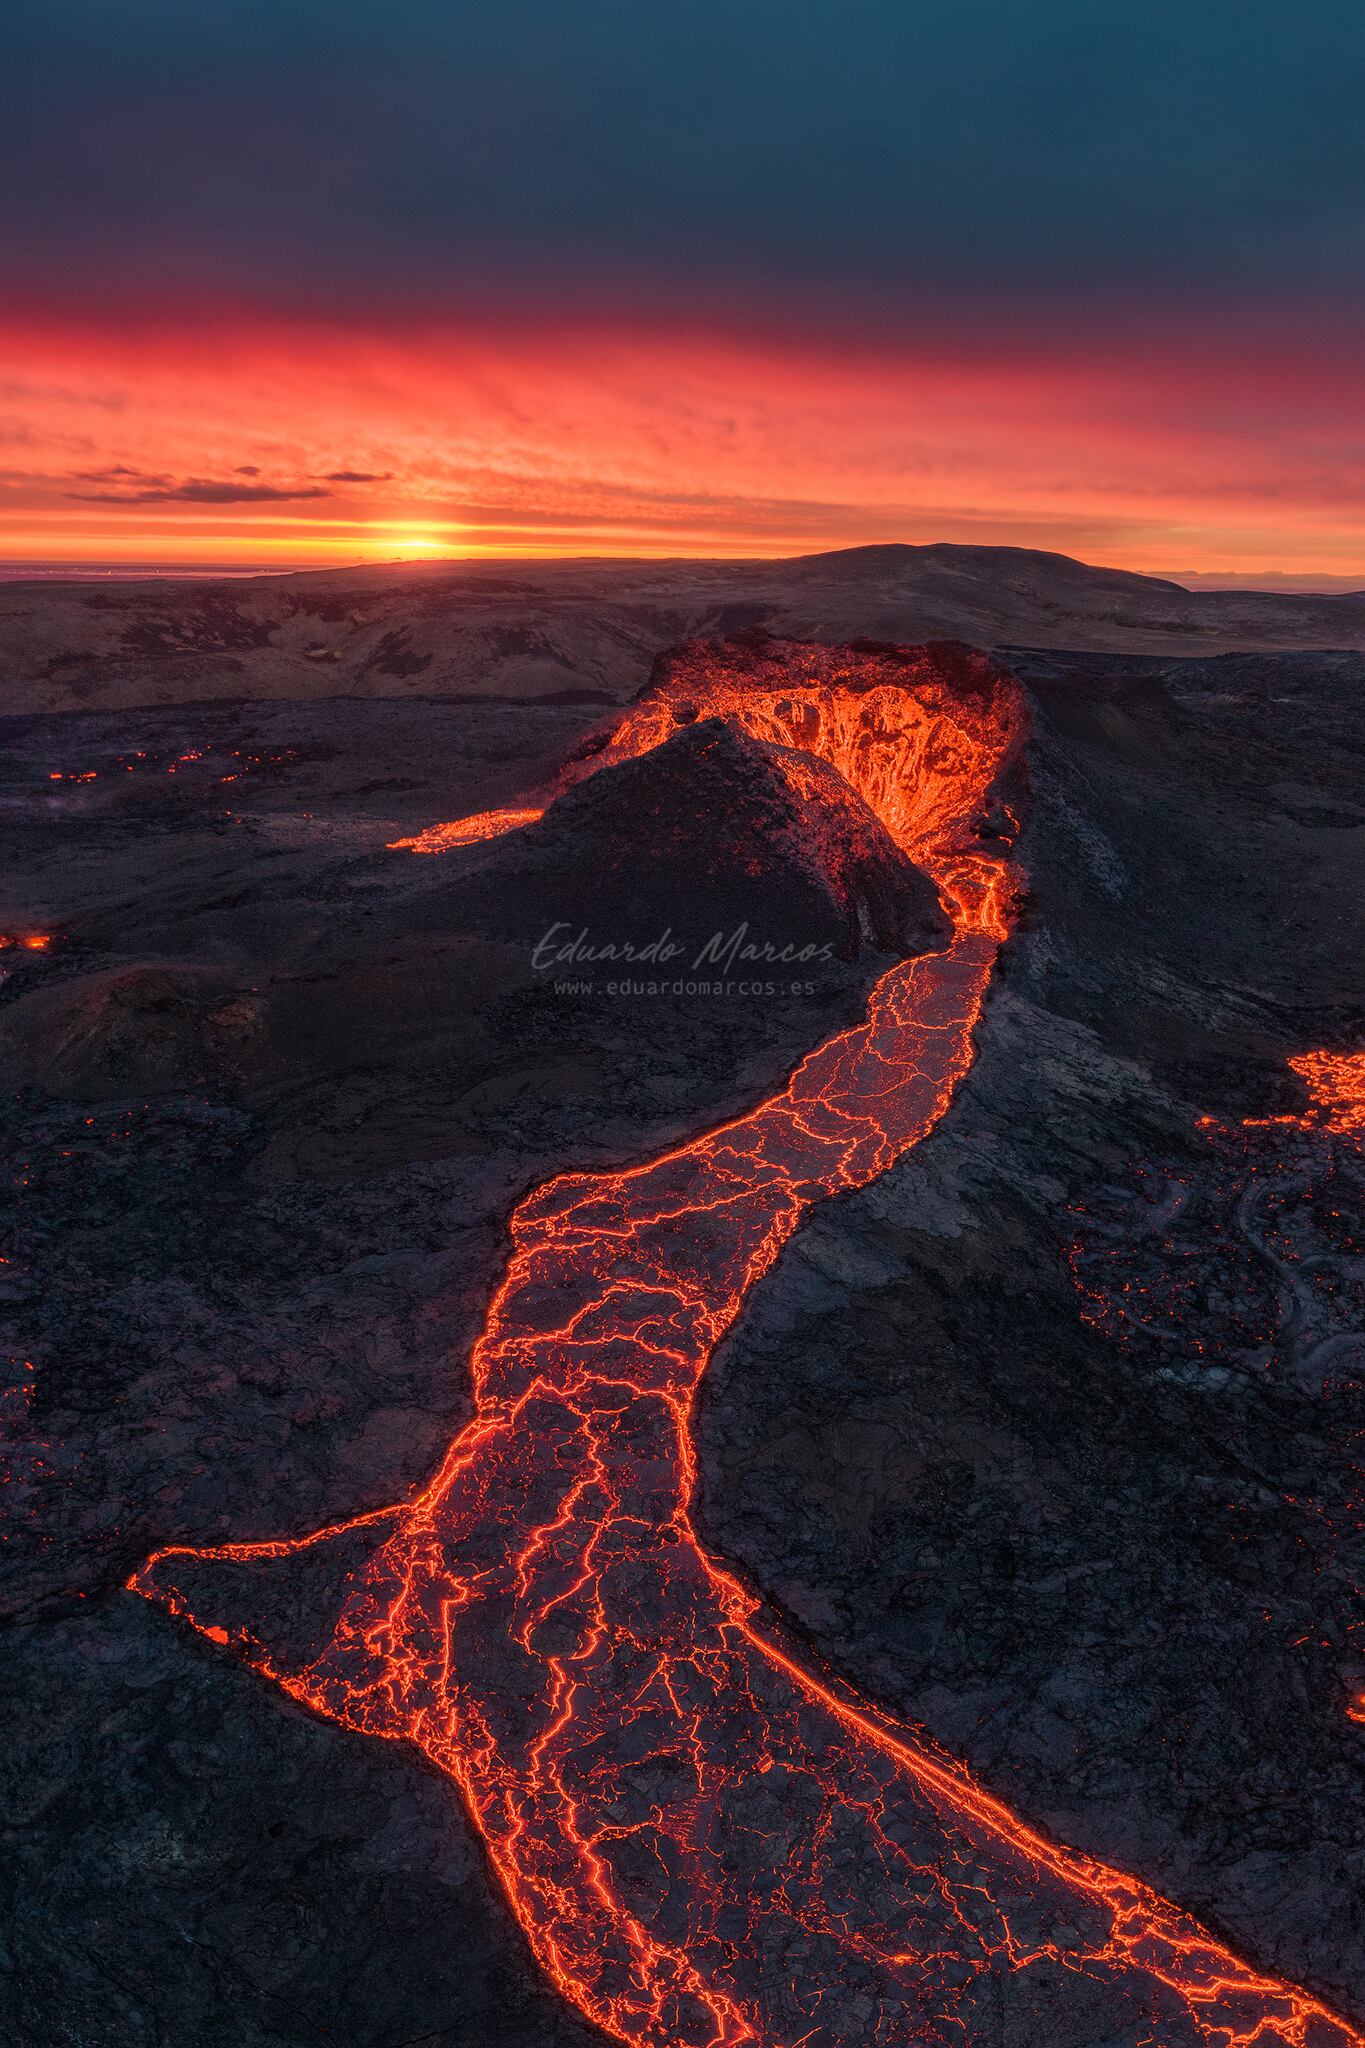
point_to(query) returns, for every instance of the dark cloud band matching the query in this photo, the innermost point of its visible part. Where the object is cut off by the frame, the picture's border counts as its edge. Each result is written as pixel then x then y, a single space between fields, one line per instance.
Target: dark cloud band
pixel 859 152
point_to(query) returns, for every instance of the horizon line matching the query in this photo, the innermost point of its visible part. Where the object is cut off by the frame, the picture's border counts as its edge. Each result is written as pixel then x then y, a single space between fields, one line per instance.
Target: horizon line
pixel 77 570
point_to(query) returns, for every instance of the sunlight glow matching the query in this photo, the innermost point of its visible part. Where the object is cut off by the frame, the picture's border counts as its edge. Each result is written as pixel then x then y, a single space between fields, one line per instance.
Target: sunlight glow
pixel 275 443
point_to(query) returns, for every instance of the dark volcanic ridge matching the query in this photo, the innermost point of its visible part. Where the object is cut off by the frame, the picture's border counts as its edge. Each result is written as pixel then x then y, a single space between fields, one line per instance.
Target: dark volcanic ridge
pixel 420 990
pixel 712 831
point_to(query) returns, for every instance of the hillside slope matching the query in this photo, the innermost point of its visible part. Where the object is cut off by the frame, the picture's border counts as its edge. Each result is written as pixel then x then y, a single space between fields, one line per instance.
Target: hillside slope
pixel 569 630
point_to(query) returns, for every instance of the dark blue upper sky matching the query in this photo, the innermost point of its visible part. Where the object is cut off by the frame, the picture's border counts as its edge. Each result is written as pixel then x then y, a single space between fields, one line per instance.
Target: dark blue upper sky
pixel 817 154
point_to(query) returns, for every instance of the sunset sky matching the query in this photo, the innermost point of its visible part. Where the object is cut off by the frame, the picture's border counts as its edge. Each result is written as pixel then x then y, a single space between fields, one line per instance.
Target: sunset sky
pixel 288 283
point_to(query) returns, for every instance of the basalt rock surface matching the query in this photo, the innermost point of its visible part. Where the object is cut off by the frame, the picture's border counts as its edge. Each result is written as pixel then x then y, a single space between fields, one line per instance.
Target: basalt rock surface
pixel 372 1006
pixel 713 832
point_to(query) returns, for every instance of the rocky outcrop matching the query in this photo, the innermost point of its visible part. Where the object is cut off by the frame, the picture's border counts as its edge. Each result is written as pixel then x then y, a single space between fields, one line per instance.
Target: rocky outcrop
pixel 712 831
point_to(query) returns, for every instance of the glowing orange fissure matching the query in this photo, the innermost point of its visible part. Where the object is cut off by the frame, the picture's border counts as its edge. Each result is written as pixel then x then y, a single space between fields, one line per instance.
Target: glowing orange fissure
pixel 465 831
pixel 706 1843
pixel 1336 1083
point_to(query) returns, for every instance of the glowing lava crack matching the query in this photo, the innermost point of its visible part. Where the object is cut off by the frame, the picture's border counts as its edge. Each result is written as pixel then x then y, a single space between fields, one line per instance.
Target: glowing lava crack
pixel 705 1842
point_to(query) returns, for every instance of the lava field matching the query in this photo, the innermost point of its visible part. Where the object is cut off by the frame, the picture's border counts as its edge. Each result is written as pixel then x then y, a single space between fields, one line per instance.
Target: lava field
pixel 830 1457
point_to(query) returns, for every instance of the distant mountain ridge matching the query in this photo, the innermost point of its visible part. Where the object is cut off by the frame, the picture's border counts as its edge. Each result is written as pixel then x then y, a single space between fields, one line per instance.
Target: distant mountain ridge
pixel 583 628
pixel 1013 567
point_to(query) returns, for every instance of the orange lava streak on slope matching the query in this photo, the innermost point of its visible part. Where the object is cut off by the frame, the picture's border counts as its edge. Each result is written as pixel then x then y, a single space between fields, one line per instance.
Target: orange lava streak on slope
pixel 465 831
pixel 706 1843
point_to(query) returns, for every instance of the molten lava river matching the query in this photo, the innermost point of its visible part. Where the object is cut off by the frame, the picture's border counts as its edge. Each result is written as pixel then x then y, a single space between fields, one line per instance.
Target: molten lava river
pixel 706 1841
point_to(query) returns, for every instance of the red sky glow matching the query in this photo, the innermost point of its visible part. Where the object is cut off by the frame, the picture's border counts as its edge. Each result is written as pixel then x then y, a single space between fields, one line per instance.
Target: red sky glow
pixel 240 440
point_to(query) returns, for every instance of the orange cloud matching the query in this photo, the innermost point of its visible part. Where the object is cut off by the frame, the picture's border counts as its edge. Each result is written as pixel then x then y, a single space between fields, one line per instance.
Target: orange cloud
pixel 246 441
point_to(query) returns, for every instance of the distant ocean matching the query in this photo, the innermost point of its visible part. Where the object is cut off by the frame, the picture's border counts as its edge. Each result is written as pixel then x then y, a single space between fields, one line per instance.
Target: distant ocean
pixel 123 572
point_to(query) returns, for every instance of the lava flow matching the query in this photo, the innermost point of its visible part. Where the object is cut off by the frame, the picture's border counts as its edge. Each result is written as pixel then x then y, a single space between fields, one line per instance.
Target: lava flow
pixel 464 831
pixel 1336 1083
pixel 707 1842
